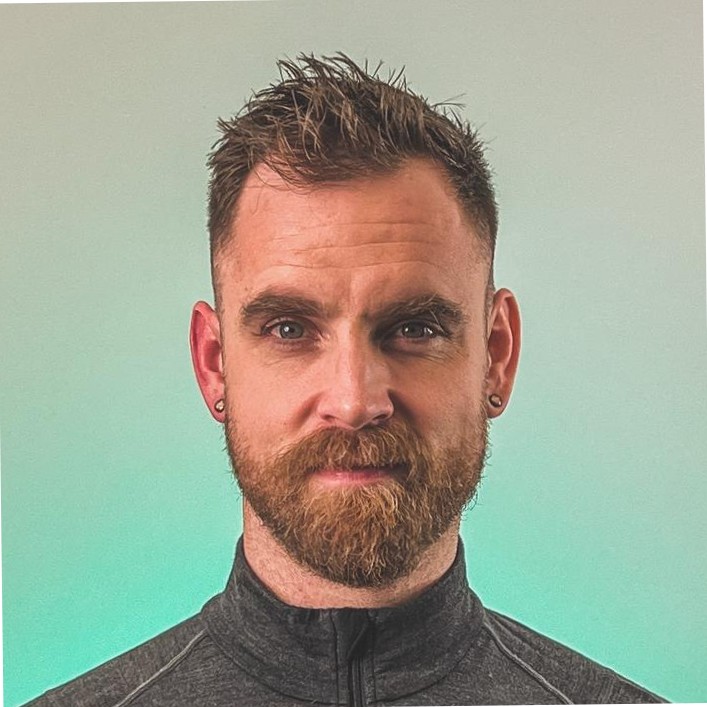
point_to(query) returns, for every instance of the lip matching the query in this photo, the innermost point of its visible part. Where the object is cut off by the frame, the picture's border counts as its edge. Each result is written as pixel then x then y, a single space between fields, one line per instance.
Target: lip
pixel 354 477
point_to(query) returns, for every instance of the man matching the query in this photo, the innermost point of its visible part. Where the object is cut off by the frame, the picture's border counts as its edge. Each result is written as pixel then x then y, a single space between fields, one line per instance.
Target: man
pixel 355 354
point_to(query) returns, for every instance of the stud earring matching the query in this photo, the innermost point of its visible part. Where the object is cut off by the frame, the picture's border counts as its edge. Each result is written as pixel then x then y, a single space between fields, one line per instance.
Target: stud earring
pixel 495 400
pixel 219 405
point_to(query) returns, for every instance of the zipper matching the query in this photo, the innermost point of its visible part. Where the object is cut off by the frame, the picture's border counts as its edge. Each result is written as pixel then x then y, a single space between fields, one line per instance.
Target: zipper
pixel 356 697
pixel 356 651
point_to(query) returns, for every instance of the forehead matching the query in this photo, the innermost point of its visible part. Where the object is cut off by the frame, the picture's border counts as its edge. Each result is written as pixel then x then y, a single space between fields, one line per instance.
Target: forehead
pixel 399 229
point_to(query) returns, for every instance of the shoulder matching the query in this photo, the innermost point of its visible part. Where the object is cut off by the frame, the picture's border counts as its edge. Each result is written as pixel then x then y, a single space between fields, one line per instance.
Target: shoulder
pixel 570 676
pixel 120 681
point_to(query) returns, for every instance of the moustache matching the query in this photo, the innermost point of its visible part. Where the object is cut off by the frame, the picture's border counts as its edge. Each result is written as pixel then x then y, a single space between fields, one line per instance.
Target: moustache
pixel 394 445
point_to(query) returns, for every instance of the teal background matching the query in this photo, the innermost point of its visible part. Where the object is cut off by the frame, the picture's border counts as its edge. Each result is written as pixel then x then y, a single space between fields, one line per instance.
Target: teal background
pixel 119 513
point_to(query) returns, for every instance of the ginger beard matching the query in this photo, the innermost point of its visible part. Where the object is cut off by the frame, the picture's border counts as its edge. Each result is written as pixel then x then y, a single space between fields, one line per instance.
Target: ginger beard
pixel 362 535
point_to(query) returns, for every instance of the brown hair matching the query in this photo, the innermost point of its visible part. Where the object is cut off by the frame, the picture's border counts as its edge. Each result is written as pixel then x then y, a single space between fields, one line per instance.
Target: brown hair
pixel 329 120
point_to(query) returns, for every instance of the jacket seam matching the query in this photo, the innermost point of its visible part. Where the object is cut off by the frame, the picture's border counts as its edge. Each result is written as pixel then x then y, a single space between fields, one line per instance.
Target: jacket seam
pixel 524 666
pixel 173 662
pixel 612 689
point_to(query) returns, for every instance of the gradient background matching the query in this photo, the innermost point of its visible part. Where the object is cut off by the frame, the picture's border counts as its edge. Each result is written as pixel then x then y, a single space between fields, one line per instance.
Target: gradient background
pixel 119 512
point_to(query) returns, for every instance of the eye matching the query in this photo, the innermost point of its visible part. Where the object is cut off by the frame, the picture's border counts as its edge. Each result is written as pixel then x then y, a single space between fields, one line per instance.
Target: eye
pixel 286 330
pixel 417 330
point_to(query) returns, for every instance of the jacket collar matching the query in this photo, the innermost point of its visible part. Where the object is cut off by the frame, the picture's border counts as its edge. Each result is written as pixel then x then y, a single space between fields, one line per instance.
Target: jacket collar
pixel 305 653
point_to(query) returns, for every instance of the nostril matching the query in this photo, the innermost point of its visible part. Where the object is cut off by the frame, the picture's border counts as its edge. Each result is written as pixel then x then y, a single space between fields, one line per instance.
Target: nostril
pixel 382 417
pixel 354 416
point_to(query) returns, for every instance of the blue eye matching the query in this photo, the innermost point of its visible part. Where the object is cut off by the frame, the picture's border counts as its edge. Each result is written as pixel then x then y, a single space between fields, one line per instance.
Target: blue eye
pixel 417 330
pixel 288 330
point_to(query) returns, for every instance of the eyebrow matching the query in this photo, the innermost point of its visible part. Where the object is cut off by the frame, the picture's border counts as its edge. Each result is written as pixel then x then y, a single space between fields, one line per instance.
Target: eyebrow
pixel 270 303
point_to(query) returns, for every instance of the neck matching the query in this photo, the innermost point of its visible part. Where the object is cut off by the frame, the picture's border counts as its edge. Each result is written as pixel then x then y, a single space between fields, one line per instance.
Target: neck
pixel 297 586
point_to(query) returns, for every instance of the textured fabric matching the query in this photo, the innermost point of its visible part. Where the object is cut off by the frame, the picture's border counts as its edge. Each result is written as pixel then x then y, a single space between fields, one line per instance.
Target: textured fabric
pixel 248 648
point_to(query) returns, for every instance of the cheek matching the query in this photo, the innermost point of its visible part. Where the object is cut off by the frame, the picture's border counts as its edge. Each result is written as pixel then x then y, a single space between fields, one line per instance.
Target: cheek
pixel 262 401
pixel 441 402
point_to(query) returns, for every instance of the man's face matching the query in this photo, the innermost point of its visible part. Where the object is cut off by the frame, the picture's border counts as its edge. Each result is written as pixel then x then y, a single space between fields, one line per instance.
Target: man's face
pixel 353 335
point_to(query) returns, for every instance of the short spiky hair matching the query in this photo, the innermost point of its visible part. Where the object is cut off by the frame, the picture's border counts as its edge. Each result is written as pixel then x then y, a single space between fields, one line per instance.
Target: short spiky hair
pixel 328 120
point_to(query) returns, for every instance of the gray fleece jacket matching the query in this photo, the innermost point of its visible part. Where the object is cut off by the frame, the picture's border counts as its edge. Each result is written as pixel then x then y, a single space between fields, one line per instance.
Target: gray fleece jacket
pixel 443 648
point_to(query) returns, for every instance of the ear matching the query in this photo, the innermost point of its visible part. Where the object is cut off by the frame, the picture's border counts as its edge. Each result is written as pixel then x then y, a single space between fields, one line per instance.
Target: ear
pixel 503 348
pixel 207 356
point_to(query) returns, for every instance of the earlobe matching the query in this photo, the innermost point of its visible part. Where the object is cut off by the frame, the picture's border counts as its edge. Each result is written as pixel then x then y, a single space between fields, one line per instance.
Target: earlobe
pixel 207 357
pixel 503 350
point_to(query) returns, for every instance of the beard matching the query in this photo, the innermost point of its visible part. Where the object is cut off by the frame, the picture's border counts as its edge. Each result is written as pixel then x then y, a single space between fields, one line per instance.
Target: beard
pixel 363 535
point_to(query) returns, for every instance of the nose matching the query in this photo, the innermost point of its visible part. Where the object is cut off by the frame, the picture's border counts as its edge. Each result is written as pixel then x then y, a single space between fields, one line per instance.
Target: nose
pixel 355 387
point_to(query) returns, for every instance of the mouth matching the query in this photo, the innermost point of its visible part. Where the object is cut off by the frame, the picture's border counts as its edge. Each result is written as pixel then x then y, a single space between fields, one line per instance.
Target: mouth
pixel 358 476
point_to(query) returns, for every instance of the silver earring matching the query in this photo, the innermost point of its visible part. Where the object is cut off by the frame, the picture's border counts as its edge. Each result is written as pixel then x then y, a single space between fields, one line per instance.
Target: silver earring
pixel 495 400
pixel 219 405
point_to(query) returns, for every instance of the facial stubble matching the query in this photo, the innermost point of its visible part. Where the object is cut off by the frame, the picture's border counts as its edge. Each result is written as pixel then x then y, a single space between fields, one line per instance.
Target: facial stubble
pixel 364 535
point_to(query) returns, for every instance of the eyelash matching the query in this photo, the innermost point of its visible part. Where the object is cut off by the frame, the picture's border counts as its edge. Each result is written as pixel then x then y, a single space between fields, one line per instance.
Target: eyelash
pixel 435 329
pixel 269 328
